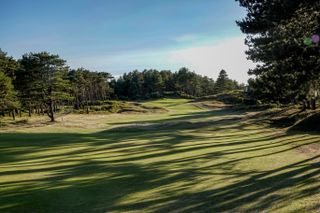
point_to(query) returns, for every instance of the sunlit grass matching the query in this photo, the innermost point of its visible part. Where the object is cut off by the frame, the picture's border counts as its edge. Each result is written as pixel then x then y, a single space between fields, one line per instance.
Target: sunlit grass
pixel 182 160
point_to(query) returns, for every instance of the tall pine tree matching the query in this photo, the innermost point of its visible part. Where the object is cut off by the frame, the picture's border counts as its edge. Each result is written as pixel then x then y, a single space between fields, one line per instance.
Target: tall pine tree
pixel 288 69
pixel 44 78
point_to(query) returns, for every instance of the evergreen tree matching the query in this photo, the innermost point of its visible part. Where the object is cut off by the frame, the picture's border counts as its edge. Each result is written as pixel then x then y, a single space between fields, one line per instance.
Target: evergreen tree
pixel 8 65
pixel 152 82
pixel 8 96
pixel 277 31
pixel 88 87
pixel 45 78
pixel 168 81
pixel 223 83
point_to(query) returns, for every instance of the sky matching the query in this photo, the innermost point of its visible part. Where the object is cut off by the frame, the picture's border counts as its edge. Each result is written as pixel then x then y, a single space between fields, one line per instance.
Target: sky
pixel 119 36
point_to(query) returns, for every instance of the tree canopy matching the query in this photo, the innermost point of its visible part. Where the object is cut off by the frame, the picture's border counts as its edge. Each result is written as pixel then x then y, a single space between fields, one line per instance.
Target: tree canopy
pixel 43 83
pixel 279 39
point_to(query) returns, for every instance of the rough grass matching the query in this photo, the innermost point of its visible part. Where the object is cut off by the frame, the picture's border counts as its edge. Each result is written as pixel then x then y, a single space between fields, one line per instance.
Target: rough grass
pixel 188 159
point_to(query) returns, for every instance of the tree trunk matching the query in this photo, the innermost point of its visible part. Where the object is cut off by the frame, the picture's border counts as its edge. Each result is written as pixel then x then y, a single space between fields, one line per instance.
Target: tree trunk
pixel 77 105
pixel 50 111
pixel 87 108
pixel 13 115
pixel 308 105
pixel 313 104
pixel 304 105
pixel 29 111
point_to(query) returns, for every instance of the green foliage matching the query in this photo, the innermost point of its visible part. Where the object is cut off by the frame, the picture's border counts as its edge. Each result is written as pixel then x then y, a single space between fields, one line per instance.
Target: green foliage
pixel 233 97
pixel 288 70
pixel 45 79
pixel 8 95
pixel 45 84
pixel 88 87
pixel 230 97
pixel 155 84
pixel 8 65
pixel 8 98
pixel 223 83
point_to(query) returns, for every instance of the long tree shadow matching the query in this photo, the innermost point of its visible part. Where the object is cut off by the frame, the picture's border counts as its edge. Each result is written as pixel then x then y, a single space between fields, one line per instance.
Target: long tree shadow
pixel 183 167
pixel 188 116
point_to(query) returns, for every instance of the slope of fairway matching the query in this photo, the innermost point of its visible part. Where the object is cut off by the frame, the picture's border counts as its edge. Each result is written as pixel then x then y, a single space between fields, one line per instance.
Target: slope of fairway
pixel 187 159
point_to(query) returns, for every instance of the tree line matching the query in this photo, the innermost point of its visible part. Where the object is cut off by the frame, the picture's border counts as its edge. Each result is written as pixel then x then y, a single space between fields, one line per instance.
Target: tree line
pixel 154 83
pixel 283 38
pixel 42 83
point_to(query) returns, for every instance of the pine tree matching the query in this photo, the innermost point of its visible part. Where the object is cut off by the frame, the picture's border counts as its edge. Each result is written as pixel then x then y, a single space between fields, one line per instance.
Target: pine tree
pixel 8 65
pixel 45 80
pixel 8 96
pixel 223 83
pixel 288 69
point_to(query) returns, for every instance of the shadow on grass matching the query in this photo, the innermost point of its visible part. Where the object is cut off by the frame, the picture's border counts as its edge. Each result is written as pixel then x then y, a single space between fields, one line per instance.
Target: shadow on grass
pixel 187 117
pixel 159 168
pixel 310 124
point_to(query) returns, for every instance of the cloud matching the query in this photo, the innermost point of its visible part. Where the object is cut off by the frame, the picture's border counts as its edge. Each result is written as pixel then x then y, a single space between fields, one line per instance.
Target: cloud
pixel 206 59
pixel 210 59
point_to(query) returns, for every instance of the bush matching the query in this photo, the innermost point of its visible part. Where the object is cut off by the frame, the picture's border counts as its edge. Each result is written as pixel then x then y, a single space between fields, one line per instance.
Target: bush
pixel 114 107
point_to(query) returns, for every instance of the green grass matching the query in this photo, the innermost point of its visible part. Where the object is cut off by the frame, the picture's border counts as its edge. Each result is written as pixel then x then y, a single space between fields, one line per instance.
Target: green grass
pixel 185 160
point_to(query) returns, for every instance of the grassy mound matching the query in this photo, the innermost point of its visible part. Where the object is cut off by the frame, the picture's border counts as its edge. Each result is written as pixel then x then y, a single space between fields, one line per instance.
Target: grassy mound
pixel 232 97
pixel 120 107
pixel 235 97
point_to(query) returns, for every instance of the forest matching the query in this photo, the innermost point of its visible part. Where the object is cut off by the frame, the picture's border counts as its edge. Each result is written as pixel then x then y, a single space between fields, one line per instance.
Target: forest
pixel 42 83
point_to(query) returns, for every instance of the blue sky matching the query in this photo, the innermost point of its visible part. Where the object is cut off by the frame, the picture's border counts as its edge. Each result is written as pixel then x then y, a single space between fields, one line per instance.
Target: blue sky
pixel 118 36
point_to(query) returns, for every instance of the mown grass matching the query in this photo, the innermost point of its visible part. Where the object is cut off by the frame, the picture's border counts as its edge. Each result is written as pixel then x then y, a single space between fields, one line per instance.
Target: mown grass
pixel 185 160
